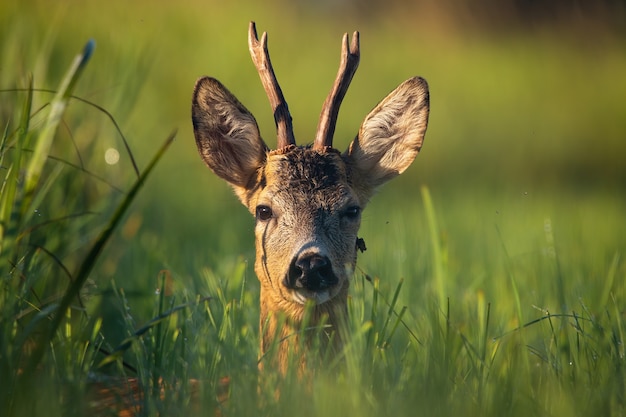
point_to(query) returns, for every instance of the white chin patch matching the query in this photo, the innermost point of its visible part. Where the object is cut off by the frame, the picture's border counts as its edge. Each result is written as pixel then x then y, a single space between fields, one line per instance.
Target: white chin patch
pixel 319 297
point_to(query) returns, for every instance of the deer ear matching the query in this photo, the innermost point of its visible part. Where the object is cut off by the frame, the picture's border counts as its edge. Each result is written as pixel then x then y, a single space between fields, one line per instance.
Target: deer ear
pixel 390 137
pixel 226 133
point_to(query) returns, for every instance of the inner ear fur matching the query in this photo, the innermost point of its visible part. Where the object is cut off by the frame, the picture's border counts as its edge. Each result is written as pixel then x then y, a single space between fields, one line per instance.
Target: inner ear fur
pixel 390 137
pixel 227 134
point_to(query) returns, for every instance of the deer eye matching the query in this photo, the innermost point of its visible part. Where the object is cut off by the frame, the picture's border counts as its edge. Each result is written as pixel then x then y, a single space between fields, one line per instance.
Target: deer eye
pixel 263 213
pixel 352 212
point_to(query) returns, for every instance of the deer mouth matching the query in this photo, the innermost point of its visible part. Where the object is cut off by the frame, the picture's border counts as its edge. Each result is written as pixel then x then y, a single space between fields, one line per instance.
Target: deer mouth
pixel 318 297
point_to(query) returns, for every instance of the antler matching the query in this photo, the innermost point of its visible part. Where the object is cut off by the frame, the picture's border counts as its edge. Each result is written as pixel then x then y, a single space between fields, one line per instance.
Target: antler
pixel 328 118
pixel 261 59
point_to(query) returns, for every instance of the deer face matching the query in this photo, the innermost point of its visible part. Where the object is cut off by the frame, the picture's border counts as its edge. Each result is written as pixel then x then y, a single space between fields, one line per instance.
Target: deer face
pixel 308 200
pixel 307 218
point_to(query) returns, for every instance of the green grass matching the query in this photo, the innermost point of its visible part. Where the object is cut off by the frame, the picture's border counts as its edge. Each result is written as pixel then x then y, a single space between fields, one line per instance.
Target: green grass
pixel 494 280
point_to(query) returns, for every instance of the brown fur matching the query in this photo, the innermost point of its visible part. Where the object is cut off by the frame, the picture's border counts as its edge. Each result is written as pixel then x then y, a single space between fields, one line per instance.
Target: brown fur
pixel 314 197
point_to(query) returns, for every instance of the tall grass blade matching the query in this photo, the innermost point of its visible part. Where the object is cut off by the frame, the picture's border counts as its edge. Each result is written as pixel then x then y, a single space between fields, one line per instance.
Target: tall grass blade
pixel 509 271
pixel 436 244
pixel 9 193
pixel 608 282
pixel 390 313
pixel 372 339
pixel 157 351
pixel 57 108
pixel 619 338
pixel 92 256
pixel 396 323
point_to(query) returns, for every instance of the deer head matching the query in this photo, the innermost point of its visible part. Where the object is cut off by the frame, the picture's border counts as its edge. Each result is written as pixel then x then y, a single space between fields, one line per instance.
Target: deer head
pixel 307 200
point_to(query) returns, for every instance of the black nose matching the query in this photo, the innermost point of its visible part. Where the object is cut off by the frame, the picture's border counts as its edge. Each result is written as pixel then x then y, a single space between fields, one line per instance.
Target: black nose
pixel 312 272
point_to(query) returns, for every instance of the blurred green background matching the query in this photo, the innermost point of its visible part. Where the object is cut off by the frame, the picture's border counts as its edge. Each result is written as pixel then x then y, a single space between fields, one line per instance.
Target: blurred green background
pixel 527 129
pixel 524 160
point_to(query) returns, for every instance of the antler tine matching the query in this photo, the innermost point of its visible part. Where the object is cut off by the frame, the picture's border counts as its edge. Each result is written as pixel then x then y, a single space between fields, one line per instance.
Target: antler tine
pixel 350 57
pixel 261 59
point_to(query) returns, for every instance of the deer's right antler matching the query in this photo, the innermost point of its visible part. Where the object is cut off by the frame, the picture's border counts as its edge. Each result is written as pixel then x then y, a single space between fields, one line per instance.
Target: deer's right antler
pixel 261 59
pixel 350 56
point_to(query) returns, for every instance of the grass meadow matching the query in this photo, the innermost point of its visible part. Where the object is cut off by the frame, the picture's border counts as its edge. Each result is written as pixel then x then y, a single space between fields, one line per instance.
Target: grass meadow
pixel 495 277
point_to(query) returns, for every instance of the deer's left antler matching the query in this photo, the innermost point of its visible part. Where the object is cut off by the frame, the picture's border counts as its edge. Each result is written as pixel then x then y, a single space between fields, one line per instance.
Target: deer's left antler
pixel 350 56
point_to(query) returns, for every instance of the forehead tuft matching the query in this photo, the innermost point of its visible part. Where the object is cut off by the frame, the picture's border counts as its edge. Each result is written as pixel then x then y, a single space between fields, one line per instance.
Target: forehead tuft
pixel 306 169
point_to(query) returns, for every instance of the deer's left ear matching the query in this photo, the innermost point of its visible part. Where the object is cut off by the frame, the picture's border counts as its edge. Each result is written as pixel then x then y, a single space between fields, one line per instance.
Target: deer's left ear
pixel 390 137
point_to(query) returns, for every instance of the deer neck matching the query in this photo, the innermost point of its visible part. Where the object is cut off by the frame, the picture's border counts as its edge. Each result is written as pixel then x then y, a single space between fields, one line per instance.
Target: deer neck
pixel 290 332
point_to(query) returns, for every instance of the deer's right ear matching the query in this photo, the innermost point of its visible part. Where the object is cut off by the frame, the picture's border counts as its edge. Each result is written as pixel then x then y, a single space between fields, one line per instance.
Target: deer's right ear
pixel 226 133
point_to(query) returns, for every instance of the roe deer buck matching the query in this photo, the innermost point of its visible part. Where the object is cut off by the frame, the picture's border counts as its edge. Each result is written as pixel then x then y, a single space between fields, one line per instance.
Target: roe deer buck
pixel 307 199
